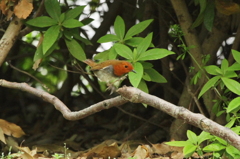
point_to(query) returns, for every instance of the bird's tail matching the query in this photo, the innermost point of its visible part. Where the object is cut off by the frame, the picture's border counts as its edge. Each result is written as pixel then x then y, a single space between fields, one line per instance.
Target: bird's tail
pixel 89 62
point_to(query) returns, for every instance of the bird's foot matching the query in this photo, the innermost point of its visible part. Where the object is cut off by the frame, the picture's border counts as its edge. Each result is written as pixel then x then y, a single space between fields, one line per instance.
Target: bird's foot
pixel 111 88
pixel 114 85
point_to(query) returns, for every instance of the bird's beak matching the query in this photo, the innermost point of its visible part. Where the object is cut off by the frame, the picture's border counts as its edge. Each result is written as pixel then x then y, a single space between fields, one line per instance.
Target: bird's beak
pixel 134 71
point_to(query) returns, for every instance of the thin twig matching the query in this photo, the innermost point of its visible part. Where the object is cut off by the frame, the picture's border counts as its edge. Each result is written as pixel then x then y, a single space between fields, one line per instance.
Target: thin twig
pixel 28 74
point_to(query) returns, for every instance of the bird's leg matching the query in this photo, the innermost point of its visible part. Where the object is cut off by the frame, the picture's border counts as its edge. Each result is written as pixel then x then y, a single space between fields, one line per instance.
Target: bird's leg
pixel 113 87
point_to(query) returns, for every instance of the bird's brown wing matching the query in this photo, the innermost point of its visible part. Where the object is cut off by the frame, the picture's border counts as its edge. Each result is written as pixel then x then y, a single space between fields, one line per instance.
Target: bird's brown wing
pixel 89 62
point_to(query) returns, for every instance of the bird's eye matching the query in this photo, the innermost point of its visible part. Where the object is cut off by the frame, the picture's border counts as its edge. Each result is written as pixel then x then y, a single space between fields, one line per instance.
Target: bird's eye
pixel 126 66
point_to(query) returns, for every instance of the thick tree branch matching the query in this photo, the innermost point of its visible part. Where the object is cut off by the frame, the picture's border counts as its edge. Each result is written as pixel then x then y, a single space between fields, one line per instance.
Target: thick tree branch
pixel 9 38
pixel 60 106
pixel 137 96
pixel 133 95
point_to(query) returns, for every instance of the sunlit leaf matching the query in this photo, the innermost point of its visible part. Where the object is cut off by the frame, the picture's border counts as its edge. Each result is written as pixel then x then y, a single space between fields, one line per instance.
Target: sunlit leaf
pixel 138 28
pixel 135 78
pixel 224 64
pixel 178 143
pixel 213 70
pixel 112 53
pixel 236 55
pixel 234 67
pixel 124 51
pixel 154 54
pixel 234 105
pixel 189 150
pixel 119 27
pixel 204 136
pixel 214 147
pixel 108 38
pixel 232 85
pixel 192 137
pixel 208 85
pixel 145 43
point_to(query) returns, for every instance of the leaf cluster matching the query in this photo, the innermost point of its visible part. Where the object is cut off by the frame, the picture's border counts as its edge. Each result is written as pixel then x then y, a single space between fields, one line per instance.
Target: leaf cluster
pixel 216 145
pixel 59 25
pixel 137 50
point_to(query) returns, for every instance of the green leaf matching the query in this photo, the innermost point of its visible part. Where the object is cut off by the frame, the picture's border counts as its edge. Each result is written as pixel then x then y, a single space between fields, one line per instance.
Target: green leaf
pixel 87 21
pixel 234 152
pixel 214 147
pixel 112 53
pixel 155 76
pixel 232 85
pixel 213 70
pixel 236 129
pixel 203 4
pixel 75 49
pixel 230 74
pixel 102 56
pixel 178 143
pixel 50 37
pixel 146 77
pixel 72 23
pixel 53 8
pixel 188 150
pixel 135 41
pixel 108 38
pixel 221 141
pixel 192 137
pixel 42 22
pixel 198 21
pixel 209 15
pixel 234 105
pixel 208 85
pixel 124 51
pixel 75 32
pixel 135 78
pixel 234 67
pixel 38 54
pixel 154 54
pixel 224 64
pixel 62 17
pixel 119 27
pixel 143 46
pixel 147 65
pixel 138 28
pixel 74 13
pixel 143 86
pixel 236 55
pixel 231 123
pixel 204 136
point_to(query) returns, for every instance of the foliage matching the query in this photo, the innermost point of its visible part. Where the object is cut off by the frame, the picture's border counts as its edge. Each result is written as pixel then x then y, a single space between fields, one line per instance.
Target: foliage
pixel 216 145
pixel 59 25
pixel 137 50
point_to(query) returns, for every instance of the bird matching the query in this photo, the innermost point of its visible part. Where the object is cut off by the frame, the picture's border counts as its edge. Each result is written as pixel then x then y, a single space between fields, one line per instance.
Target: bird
pixel 112 72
